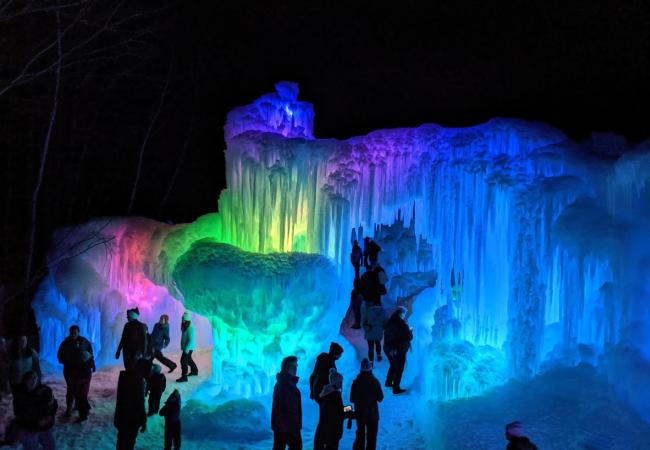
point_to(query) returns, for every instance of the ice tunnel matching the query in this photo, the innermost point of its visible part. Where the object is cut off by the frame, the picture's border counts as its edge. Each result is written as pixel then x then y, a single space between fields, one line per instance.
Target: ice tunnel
pixel 513 247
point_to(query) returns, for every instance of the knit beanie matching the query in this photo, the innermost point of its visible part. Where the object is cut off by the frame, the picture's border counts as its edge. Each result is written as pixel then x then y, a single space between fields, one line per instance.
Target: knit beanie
pixel 187 316
pixel 366 366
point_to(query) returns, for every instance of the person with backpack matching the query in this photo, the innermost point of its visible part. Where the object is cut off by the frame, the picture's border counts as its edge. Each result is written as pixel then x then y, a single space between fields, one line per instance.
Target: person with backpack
pixel 76 355
pixel 187 346
pixel 370 252
pixel 134 338
pixel 397 341
pixel 365 394
pixel 286 410
pixel 330 423
pixel 373 283
pixel 356 258
pixel 171 411
pixel 320 375
pixel 158 340
pixel 34 410
pixel 372 320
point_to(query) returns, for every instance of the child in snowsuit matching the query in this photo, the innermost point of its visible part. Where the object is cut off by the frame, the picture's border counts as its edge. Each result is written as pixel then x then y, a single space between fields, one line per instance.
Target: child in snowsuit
pixel 155 388
pixel 172 414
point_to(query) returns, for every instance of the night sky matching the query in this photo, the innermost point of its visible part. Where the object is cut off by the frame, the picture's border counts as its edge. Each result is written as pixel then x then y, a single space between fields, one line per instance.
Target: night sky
pixel 576 65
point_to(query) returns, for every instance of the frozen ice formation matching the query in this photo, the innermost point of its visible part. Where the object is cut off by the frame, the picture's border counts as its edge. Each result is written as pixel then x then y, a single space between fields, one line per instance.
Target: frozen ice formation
pixel 545 238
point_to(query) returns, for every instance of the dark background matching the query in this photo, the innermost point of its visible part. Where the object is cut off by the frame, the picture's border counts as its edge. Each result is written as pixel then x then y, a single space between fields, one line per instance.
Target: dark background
pixel 581 66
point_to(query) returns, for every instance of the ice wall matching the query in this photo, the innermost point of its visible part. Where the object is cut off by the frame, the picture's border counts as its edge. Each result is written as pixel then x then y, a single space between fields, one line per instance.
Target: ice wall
pixel 544 240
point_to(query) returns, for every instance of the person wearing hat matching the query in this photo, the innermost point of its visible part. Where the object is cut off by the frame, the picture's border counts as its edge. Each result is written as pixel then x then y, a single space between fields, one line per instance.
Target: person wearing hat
pixel 76 355
pixel 134 338
pixel 365 394
pixel 320 375
pixel 187 346
pixel 397 340
pixel 330 423
pixel 516 438
pixel 286 409
pixel 159 340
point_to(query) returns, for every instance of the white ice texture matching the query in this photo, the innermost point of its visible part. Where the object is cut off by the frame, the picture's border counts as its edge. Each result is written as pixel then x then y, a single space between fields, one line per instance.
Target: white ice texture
pixel 514 248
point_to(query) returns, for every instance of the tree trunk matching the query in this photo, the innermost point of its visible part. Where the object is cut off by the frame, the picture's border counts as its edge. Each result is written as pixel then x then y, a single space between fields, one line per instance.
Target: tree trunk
pixel 43 159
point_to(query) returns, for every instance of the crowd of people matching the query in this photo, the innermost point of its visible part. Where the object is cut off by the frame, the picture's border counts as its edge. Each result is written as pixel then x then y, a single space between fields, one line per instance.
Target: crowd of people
pixel 35 407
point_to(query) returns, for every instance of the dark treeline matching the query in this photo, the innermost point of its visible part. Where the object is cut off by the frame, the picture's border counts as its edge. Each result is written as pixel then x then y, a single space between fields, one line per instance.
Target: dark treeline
pixel 117 107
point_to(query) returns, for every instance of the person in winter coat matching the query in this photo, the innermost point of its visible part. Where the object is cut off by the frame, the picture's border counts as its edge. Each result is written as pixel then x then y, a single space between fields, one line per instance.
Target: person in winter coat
pixel 286 411
pixel 76 355
pixel 130 415
pixel 397 340
pixel 330 424
pixel 4 368
pixel 155 387
pixel 356 258
pixel 516 438
pixel 22 359
pixel 34 410
pixel 372 320
pixel 320 375
pixel 134 338
pixel 373 283
pixel 356 299
pixel 171 411
pixel 366 394
pixel 370 252
pixel 187 346
pixel 159 340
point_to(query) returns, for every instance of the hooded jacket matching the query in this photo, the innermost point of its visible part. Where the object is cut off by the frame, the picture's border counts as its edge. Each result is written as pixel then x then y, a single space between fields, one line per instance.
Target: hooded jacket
pixel 286 412
pixel 171 411
pixel 331 419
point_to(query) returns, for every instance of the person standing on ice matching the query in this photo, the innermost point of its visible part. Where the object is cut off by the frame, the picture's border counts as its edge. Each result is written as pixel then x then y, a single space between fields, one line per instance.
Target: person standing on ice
pixel 22 360
pixel 34 410
pixel 516 438
pixel 286 411
pixel 397 340
pixel 356 258
pixel 365 394
pixel 171 411
pixel 372 320
pixel 370 252
pixel 159 340
pixel 321 373
pixel 356 299
pixel 134 338
pixel 130 414
pixel 155 388
pixel 330 423
pixel 187 346
pixel 76 355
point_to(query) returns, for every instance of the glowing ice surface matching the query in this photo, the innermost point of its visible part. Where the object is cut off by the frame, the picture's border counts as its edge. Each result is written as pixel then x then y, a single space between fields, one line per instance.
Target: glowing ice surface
pixel 546 241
